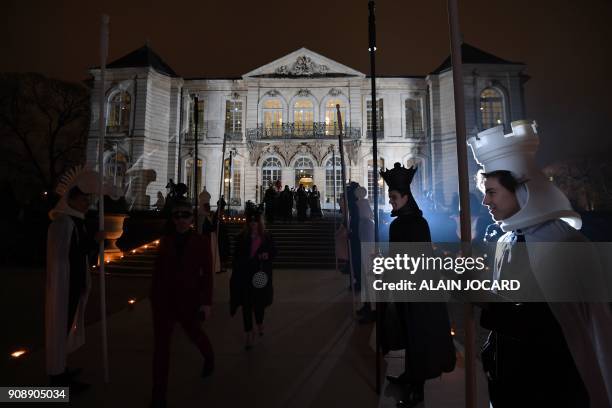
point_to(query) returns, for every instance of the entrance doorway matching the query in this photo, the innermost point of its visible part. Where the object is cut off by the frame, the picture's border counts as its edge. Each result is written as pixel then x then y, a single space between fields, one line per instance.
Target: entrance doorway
pixel 304 172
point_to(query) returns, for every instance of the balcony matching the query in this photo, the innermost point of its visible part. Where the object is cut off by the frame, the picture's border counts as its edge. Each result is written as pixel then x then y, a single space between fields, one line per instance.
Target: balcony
pixel 318 130
pixel 233 135
pixel 202 132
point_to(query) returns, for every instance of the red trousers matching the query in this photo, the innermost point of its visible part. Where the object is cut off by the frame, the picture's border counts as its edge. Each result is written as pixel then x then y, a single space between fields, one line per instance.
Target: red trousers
pixel 164 319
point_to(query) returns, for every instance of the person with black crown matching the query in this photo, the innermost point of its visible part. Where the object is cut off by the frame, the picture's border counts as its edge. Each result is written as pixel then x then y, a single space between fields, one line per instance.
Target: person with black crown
pixel 425 326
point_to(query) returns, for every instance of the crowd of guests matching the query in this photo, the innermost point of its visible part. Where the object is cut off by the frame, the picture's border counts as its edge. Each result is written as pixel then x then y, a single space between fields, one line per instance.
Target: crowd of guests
pixel 280 203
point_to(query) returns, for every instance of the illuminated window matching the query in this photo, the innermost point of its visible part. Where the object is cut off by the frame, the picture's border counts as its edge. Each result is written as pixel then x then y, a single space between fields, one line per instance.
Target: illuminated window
pixel 233 119
pixel 115 168
pixel 491 108
pixel 189 172
pixel 273 117
pixel 231 176
pixel 270 172
pixel 380 122
pixel 201 125
pixel 332 180
pixel 414 118
pixel 331 116
pixel 119 108
pixel 303 117
pixel 381 189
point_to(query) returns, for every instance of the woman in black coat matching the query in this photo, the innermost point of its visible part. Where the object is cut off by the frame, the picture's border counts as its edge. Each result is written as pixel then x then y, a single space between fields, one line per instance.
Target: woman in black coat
pixel 251 280
pixel 425 326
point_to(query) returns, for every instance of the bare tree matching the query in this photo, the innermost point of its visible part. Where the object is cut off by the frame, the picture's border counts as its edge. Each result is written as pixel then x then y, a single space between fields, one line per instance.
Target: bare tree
pixel 43 125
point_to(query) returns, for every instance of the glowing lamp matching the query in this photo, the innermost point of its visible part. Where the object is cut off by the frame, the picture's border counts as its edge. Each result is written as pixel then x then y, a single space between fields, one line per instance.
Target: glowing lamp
pixel 18 353
pixel 132 301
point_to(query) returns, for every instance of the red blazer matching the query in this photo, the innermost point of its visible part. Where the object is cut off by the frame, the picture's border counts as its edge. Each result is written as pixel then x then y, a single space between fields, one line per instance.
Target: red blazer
pixel 185 280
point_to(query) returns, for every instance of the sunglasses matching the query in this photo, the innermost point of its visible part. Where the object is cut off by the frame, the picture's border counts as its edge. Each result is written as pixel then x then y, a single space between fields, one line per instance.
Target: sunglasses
pixel 182 214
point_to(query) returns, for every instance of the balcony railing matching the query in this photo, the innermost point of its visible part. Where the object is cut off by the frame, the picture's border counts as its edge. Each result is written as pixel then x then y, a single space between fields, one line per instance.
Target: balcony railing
pixel 317 130
pixel 235 135
pixel 202 132
pixel 380 133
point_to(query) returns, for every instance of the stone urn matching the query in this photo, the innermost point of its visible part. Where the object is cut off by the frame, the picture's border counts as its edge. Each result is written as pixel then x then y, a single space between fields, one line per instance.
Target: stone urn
pixel 113 227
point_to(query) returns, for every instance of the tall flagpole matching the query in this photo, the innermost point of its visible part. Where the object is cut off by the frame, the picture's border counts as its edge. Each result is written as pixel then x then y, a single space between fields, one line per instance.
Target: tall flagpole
pixel 374 104
pixel 464 214
pixel 347 219
pixel 103 56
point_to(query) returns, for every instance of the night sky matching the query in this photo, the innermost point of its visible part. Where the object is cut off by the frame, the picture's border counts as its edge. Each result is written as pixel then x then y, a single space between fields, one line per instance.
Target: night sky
pixel 565 44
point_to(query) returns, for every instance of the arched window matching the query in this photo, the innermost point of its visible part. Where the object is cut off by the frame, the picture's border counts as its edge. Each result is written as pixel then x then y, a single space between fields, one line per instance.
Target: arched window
pixel 304 172
pixel 414 118
pixel 303 117
pixel 270 172
pixel 331 116
pixel 333 180
pixel 491 108
pixel 381 188
pixel 119 108
pixel 190 174
pixel 273 117
pixel 231 177
pixel 115 168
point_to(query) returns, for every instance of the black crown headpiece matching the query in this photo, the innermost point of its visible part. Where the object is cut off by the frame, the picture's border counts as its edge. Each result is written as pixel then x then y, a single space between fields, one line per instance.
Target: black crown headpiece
pixel 399 177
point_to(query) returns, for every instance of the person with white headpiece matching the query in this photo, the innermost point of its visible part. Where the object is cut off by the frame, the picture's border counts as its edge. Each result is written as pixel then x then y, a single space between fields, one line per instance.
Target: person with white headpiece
pixel 68 281
pixel 557 352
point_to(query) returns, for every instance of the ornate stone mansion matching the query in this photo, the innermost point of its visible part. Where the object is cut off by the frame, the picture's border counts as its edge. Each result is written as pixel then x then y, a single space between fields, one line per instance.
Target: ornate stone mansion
pixel 280 123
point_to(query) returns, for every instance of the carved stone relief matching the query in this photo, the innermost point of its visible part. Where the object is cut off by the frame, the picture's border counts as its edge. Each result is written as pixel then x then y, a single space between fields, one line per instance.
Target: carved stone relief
pixel 303 66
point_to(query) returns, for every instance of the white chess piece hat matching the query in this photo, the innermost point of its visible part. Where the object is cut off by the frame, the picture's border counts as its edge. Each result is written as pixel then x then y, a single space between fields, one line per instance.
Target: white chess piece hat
pixel 539 198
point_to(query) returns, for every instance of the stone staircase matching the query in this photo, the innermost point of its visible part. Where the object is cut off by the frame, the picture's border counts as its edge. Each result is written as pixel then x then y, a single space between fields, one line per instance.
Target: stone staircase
pixel 137 262
pixel 307 245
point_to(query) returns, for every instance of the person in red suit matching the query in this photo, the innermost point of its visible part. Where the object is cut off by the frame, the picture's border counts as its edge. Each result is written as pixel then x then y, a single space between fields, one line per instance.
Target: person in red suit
pixel 181 293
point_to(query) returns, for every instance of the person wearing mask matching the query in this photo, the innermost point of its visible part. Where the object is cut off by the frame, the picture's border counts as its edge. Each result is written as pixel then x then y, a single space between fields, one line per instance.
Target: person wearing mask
pixel 181 293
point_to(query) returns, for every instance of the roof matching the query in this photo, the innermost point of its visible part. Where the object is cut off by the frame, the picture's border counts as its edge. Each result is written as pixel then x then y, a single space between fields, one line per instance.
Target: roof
pixel 143 57
pixel 473 55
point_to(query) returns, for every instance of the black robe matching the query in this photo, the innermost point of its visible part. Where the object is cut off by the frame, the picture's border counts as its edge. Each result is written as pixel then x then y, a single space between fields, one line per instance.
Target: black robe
pixel 426 328
pixel 244 267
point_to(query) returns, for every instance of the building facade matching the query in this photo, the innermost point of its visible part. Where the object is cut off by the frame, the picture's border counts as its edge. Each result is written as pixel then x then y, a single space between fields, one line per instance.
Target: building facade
pixel 280 122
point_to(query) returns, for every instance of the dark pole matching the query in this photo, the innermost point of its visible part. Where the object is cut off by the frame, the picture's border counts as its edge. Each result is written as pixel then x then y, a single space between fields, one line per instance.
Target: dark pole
pixel 178 164
pixel 229 183
pixel 372 50
pixel 195 161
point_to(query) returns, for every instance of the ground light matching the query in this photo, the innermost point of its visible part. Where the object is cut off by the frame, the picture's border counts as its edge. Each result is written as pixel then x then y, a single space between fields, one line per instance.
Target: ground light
pixel 18 353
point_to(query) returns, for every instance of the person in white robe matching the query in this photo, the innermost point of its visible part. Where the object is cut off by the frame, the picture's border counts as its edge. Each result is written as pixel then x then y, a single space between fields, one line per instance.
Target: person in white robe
pixel 570 278
pixel 68 281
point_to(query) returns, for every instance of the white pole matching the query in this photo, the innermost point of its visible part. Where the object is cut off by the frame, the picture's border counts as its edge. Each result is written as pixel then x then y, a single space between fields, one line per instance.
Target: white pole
pixel 464 214
pixel 103 55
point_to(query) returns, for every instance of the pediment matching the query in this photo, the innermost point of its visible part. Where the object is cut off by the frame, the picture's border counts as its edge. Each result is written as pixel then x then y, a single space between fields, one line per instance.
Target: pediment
pixel 303 63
